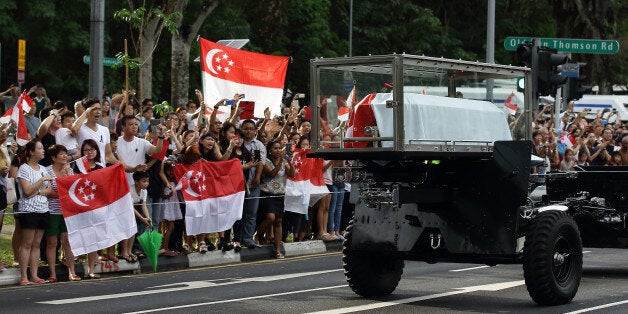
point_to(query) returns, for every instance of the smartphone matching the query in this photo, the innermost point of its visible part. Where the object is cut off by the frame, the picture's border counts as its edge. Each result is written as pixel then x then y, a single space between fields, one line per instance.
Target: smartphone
pixel 235 137
pixel 288 151
pixel 299 96
pixel 229 102
pixel 153 125
pixel 606 110
pixel 257 154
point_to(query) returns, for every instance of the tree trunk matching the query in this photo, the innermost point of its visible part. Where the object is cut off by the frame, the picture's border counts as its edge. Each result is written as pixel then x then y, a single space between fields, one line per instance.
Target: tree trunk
pixel 179 71
pixel 145 82
pixel 180 58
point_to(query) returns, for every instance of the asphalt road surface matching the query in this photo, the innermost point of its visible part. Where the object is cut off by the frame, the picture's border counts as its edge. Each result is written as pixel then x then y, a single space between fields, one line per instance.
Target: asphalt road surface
pixel 317 284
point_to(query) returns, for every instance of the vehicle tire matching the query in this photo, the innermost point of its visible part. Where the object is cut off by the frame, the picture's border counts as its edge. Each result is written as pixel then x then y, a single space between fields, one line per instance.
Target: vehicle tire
pixel 370 274
pixel 552 258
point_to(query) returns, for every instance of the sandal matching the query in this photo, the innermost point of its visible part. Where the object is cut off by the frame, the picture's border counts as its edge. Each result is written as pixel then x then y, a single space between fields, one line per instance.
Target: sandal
pixel 52 279
pixel 25 283
pixel 93 276
pixel 127 258
pixel 202 247
pixel 278 255
pixel 74 278
pixel 39 281
pixel 113 259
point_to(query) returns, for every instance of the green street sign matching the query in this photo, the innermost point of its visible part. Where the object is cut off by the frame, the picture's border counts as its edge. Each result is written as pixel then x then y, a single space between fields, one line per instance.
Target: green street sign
pixel 105 61
pixel 595 46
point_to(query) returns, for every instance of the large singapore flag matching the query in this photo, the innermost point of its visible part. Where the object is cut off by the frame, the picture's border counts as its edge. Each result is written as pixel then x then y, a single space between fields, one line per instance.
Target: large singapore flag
pixel 307 186
pixel 213 193
pixel 227 71
pixel 97 208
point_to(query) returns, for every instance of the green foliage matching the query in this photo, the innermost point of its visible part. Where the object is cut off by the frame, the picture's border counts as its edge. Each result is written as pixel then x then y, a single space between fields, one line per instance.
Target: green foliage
pixel 162 108
pixel 132 63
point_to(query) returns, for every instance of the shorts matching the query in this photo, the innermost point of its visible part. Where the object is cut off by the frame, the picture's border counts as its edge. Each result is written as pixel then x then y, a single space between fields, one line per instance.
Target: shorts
pixel 56 226
pixel 34 220
pixel 271 204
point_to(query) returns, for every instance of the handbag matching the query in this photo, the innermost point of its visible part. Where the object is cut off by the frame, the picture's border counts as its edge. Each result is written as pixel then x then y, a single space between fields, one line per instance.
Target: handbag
pixel 11 195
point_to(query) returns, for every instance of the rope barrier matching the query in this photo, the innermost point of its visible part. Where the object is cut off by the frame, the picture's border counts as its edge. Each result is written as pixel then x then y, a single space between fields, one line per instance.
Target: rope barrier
pixel 178 202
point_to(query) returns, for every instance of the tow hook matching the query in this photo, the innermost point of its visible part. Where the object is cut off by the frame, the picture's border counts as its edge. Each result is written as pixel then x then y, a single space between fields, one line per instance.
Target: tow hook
pixel 435 241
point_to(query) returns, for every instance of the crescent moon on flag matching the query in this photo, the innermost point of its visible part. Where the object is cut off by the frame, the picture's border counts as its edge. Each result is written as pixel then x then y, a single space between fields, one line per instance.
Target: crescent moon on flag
pixel 73 196
pixel 189 188
pixel 209 58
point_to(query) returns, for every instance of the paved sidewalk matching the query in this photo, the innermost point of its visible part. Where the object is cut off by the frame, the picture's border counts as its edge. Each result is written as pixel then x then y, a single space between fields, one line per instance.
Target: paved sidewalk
pixel 11 276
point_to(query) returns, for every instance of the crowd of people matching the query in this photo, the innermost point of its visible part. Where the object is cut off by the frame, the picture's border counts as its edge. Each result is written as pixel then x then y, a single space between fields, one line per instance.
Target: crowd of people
pixel 121 129
pixel 578 142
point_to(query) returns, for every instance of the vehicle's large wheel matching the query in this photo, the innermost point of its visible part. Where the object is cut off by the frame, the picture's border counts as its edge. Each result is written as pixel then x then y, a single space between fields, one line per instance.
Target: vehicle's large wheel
pixel 552 258
pixel 370 274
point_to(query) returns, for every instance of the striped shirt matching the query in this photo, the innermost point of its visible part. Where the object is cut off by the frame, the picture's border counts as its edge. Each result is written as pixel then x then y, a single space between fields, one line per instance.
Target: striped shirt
pixel 53 202
pixel 36 203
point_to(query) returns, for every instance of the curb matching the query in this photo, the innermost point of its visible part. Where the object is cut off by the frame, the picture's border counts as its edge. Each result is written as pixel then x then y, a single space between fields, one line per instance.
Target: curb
pixel 11 276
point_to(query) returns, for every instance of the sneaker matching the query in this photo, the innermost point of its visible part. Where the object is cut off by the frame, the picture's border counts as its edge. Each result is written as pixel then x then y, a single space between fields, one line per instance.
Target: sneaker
pixel 202 247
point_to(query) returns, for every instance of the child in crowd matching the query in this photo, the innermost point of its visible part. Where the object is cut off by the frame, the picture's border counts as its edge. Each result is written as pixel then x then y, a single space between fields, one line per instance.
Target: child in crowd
pixel 171 208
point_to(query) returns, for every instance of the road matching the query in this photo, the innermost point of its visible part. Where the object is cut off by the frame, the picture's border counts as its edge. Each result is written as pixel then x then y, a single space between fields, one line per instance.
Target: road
pixel 316 283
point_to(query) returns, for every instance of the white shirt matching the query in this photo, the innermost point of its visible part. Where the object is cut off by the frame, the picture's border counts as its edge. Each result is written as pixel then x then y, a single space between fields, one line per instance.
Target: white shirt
pixel 139 199
pixel 133 153
pixel 36 203
pixel 64 137
pixel 191 122
pixel 101 136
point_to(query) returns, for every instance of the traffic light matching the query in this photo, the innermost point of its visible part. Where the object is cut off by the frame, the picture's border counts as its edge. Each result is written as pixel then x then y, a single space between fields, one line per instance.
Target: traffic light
pixel 575 87
pixel 524 57
pixel 524 54
pixel 549 80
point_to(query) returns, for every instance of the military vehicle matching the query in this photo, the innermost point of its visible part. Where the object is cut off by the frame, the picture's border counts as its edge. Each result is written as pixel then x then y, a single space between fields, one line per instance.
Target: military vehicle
pixel 438 179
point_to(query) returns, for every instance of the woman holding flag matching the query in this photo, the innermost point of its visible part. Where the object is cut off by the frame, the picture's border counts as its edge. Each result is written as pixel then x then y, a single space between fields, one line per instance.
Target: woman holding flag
pixel 89 162
pixel 57 227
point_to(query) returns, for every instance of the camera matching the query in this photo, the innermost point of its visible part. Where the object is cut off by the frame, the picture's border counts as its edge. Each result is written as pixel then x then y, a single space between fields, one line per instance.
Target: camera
pixel 257 154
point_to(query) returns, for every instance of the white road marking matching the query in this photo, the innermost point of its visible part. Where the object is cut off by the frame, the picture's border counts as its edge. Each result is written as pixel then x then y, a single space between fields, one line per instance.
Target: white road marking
pixel 470 268
pixel 603 306
pixel 189 285
pixel 378 305
pixel 236 300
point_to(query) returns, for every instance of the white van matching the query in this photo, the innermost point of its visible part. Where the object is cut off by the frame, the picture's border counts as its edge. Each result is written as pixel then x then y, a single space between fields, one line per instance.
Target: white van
pixel 608 103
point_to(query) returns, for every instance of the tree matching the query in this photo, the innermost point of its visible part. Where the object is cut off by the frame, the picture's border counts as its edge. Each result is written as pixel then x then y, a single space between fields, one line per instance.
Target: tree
pixel 596 20
pixel 188 26
pixel 149 23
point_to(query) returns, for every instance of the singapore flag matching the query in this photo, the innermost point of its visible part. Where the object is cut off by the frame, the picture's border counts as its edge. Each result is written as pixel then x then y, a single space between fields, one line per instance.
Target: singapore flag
pixel 213 194
pixel 227 71
pixel 97 208
pixel 307 186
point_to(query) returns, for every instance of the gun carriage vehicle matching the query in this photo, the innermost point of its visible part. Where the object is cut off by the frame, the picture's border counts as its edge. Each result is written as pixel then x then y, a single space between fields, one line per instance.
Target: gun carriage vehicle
pixel 439 178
